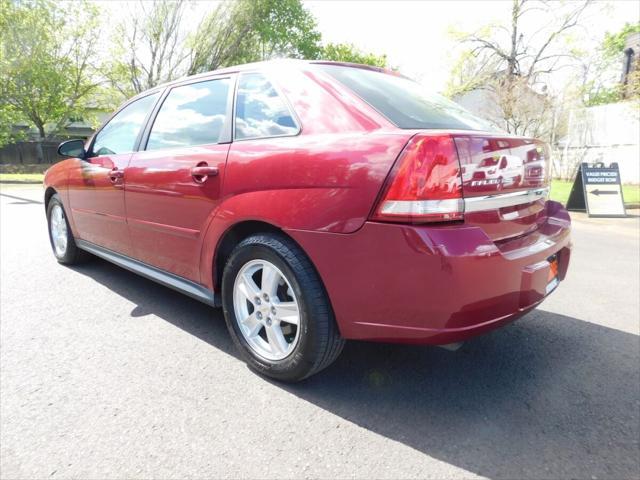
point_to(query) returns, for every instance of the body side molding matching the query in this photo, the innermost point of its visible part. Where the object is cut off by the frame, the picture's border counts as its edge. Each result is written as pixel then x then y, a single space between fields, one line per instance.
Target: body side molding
pixel 167 279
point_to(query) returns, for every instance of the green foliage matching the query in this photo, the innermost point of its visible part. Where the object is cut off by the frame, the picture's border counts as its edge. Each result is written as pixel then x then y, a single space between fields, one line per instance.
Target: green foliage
pixel 346 52
pixel 601 95
pixel 49 69
pixel 284 28
pixel 45 71
pixel 223 37
pixel 613 44
pixel 9 119
pixel 247 31
pixel 602 86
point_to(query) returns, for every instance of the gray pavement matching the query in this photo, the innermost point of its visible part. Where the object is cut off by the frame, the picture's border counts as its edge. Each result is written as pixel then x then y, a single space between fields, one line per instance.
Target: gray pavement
pixel 104 374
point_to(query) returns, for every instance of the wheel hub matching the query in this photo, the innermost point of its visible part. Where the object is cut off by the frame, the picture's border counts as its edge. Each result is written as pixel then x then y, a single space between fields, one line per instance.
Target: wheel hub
pixel 266 310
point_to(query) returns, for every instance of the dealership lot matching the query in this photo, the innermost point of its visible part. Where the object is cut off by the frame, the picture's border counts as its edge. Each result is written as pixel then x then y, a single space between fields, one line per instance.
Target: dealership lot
pixel 106 374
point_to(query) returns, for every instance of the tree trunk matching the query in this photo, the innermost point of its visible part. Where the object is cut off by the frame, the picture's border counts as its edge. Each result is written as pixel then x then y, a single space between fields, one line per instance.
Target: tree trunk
pixel 39 150
pixel 515 15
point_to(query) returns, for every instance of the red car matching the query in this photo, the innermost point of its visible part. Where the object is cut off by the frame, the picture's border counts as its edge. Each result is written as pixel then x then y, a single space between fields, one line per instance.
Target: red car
pixel 315 202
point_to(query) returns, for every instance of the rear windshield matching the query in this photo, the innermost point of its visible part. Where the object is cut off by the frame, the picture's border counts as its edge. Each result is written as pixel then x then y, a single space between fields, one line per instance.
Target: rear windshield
pixel 404 102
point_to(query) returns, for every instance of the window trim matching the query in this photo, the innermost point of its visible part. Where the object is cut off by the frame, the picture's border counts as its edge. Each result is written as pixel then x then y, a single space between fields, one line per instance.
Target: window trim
pixel 225 134
pixel 136 144
pixel 284 98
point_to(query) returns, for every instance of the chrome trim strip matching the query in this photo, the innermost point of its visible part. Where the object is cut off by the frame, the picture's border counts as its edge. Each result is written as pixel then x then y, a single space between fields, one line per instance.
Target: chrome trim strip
pixel 500 200
pixel 167 279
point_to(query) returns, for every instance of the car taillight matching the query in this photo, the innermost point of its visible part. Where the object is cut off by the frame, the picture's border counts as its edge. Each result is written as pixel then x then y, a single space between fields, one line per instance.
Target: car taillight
pixel 425 184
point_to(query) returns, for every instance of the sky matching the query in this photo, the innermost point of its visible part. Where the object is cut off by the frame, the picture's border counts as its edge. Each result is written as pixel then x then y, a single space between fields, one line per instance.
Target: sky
pixel 416 34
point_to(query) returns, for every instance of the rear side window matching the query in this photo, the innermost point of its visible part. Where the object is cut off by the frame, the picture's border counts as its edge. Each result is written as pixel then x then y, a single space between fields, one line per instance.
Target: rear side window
pixel 404 102
pixel 260 110
pixel 192 114
pixel 120 134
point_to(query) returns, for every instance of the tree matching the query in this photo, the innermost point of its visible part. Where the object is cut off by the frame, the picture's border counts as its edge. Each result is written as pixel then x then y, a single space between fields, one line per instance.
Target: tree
pixel 222 37
pixel 600 71
pixel 46 70
pixel 614 46
pixel 148 47
pixel 254 30
pixel 284 28
pixel 153 46
pixel 346 52
pixel 514 64
pixel 9 119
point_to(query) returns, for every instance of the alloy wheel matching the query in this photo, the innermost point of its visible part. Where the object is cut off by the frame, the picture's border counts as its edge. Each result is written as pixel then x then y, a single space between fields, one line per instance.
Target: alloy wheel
pixel 266 310
pixel 58 229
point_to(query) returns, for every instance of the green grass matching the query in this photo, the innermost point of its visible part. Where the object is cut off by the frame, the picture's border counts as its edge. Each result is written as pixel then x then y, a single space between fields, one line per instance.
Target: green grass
pixel 23 173
pixel 24 167
pixel 560 190
pixel 21 177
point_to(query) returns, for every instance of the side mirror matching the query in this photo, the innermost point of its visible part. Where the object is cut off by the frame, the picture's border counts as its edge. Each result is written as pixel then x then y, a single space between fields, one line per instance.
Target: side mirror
pixel 72 148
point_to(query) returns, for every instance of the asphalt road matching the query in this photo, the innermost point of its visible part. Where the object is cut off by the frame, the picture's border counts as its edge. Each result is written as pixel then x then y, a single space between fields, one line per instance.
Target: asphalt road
pixel 107 375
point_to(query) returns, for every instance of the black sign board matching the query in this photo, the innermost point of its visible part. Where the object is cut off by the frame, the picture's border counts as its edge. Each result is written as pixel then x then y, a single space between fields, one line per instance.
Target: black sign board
pixel 598 191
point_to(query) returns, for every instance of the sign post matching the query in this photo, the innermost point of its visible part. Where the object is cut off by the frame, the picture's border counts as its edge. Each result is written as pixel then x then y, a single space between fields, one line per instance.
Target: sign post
pixel 597 189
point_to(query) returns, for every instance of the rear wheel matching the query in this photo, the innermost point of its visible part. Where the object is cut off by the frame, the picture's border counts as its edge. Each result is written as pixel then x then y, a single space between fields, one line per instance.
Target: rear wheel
pixel 276 309
pixel 62 241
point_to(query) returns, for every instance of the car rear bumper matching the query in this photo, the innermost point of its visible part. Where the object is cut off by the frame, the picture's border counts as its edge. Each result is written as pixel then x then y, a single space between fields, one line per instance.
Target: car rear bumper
pixel 435 284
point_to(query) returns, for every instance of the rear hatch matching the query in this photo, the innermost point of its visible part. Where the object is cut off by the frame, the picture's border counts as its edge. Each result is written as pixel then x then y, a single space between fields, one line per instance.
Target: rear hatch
pixel 456 166
pixel 505 183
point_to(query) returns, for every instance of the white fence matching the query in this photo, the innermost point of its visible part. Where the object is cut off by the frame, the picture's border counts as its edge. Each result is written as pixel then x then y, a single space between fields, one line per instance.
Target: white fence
pixel 606 133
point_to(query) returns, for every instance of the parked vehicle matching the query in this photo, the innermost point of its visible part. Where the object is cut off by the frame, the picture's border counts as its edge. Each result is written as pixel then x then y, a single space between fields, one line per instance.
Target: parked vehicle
pixel 315 202
pixel 535 166
pixel 502 171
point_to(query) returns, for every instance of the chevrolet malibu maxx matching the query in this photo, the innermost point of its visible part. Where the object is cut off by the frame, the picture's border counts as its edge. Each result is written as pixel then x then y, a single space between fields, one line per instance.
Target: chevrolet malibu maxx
pixel 315 202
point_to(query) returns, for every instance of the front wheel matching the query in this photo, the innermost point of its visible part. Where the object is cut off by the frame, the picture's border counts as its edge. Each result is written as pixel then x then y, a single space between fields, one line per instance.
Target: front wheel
pixel 62 241
pixel 277 310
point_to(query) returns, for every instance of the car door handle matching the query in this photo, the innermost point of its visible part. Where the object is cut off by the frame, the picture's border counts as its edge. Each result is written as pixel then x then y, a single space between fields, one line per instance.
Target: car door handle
pixel 202 171
pixel 115 174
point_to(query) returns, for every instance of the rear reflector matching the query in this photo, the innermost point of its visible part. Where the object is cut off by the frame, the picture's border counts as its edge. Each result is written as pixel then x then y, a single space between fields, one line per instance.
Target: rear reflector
pixel 425 184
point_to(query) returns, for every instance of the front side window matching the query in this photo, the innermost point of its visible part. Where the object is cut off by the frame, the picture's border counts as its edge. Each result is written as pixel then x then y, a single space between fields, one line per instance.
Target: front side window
pixel 192 114
pixel 119 135
pixel 404 102
pixel 260 110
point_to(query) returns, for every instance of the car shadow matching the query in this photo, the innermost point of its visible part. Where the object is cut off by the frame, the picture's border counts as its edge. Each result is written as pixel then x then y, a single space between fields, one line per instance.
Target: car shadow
pixel 547 397
pixel 21 200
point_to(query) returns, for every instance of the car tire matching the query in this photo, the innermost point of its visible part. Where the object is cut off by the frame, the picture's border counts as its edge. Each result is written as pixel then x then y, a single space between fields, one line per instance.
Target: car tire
pixel 311 345
pixel 62 242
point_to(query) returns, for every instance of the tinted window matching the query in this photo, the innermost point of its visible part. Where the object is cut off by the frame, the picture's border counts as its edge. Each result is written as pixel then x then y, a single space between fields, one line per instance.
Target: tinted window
pixel 403 101
pixel 119 135
pixel 191 115
pixel 260 111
